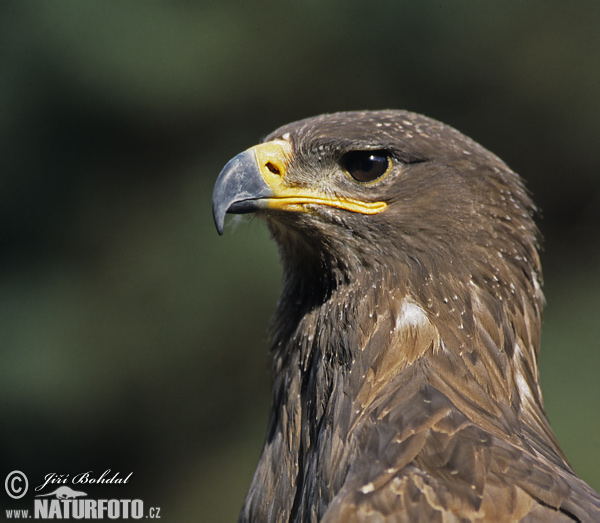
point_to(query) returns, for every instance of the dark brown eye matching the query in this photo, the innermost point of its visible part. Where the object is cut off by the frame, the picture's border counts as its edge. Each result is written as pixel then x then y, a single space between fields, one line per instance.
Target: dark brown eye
pixel 365 166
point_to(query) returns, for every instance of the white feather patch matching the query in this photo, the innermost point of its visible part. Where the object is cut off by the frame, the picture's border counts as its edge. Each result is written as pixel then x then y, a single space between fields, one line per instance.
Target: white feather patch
pixel 411 315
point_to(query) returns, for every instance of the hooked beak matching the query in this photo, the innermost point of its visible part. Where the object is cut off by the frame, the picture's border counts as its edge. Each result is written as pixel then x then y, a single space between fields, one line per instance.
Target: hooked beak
pixel 255 180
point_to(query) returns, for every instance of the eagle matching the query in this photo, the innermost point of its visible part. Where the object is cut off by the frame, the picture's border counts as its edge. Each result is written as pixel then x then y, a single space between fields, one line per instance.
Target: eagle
pixel 405 344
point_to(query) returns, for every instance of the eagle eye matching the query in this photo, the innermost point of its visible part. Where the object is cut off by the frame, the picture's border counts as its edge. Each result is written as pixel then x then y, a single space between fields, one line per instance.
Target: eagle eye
pixel 366 166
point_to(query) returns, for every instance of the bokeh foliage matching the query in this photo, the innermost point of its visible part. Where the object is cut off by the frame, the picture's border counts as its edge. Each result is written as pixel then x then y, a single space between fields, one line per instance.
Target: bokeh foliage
pixel 132 337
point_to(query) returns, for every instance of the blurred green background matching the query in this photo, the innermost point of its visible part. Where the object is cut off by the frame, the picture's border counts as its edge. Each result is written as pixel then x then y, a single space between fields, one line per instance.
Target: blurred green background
pixel 132 337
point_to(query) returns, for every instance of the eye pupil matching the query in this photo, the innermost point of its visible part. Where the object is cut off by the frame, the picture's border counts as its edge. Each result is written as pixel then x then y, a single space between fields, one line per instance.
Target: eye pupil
pixel 365 166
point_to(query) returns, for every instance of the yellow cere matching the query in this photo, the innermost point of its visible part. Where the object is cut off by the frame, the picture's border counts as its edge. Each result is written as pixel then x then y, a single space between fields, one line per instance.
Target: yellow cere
pixel 272 159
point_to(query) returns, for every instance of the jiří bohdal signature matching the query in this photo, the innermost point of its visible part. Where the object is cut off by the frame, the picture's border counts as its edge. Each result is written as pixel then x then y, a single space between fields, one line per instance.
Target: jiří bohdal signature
pixel 107 477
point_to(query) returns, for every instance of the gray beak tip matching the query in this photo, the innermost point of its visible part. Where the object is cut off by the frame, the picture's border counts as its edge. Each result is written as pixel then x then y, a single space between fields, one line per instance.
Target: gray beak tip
pixel 238 189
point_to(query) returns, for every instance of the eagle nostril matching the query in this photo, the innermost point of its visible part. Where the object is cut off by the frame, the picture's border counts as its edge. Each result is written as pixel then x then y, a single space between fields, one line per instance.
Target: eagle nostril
pixel 273 168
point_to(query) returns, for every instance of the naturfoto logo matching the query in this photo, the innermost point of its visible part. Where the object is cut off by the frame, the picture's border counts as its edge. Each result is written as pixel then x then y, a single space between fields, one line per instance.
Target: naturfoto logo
pixel 60 501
